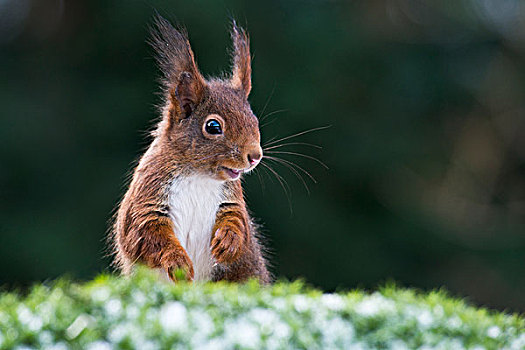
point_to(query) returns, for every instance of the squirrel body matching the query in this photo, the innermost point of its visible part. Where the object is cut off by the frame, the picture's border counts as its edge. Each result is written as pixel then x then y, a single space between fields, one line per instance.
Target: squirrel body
pixel 185 207
pixel 193 202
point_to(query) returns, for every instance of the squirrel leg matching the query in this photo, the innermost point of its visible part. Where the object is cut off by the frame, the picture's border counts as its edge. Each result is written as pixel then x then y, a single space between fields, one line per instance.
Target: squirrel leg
pixel 155 244
pixel 230 233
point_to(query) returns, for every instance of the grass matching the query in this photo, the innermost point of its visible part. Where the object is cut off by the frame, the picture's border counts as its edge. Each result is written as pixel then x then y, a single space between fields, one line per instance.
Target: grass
pixel 142 312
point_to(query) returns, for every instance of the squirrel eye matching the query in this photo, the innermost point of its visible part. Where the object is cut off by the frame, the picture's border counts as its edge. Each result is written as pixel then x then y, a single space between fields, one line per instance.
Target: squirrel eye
pixel 213 127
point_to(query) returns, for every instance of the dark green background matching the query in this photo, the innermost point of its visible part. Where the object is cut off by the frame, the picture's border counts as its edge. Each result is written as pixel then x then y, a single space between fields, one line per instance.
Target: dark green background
pixel 426 147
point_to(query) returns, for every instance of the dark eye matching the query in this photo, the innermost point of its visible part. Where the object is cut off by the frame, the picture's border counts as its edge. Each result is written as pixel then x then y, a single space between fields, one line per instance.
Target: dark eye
pixel 213 127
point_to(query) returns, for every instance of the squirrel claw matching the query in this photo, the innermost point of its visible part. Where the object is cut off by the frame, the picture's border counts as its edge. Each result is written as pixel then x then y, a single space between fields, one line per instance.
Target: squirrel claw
pixel 226 245
pixel 180 274
pixel 180 268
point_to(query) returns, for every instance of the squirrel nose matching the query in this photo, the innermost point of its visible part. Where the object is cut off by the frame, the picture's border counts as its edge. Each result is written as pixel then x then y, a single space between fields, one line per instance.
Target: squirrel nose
pixel 254 156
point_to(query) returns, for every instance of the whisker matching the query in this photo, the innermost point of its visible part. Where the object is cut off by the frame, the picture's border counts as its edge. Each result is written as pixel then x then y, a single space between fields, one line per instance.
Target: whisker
pixel 270 140
pixel 301 155
pixel 274 112
pixel 282 181
pixel 268 123
pixel 256 171
pixel 268 100
pixel 293 143
pixel 279 177
pixel 295 165
pixel 298 134
pixel 292 169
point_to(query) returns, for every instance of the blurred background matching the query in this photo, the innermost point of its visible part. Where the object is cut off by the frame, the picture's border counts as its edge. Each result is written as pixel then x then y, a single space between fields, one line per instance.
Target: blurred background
pixel 426 149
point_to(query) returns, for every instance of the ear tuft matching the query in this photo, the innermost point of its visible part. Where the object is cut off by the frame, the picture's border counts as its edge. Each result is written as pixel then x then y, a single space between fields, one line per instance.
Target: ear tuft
pixel 242 70
pixel 181 77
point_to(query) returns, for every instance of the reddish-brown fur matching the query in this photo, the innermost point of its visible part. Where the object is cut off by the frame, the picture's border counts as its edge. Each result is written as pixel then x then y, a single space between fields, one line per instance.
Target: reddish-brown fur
pixel 144 231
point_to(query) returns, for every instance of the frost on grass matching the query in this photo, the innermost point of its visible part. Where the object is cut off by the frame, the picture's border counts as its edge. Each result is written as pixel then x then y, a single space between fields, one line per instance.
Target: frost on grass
pixel 143 313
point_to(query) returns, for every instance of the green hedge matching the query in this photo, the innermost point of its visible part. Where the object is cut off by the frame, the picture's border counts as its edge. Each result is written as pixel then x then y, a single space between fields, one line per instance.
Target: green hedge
pixel 143 313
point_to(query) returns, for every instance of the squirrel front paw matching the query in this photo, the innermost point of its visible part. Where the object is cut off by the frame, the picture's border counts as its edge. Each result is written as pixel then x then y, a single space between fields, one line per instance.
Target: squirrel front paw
pixel 179 266
pixel 227 244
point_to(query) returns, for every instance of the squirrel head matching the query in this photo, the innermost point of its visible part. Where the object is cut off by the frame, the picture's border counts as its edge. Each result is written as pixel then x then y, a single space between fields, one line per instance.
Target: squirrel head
pixel 207 124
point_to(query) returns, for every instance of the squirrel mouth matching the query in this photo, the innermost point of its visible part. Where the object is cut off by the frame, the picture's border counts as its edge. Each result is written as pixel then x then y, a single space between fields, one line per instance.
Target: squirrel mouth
pixel 234 174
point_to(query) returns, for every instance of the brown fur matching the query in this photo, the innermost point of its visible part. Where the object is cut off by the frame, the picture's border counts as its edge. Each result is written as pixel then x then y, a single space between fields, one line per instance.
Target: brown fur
pixel 143 230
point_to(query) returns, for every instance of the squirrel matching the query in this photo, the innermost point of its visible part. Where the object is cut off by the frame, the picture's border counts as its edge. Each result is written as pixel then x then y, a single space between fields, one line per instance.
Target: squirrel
pixel 184 208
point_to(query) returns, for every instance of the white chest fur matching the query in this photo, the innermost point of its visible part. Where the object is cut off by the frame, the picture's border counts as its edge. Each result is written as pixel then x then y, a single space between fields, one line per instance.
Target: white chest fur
pixel 193 205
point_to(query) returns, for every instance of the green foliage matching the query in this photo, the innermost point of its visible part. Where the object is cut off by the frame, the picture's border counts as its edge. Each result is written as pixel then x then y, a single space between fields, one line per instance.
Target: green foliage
pixel 143 313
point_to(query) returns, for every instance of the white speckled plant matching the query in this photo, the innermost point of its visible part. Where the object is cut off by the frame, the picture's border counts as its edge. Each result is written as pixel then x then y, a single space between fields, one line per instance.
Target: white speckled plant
pixel 143 313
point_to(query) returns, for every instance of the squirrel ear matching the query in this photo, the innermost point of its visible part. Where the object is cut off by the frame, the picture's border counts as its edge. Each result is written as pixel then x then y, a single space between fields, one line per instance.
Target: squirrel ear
pixel 187 93
pixel 242 70
pixel 182 79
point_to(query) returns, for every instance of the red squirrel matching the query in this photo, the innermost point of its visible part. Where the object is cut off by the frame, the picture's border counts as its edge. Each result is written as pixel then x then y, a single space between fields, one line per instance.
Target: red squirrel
pixel 184 208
